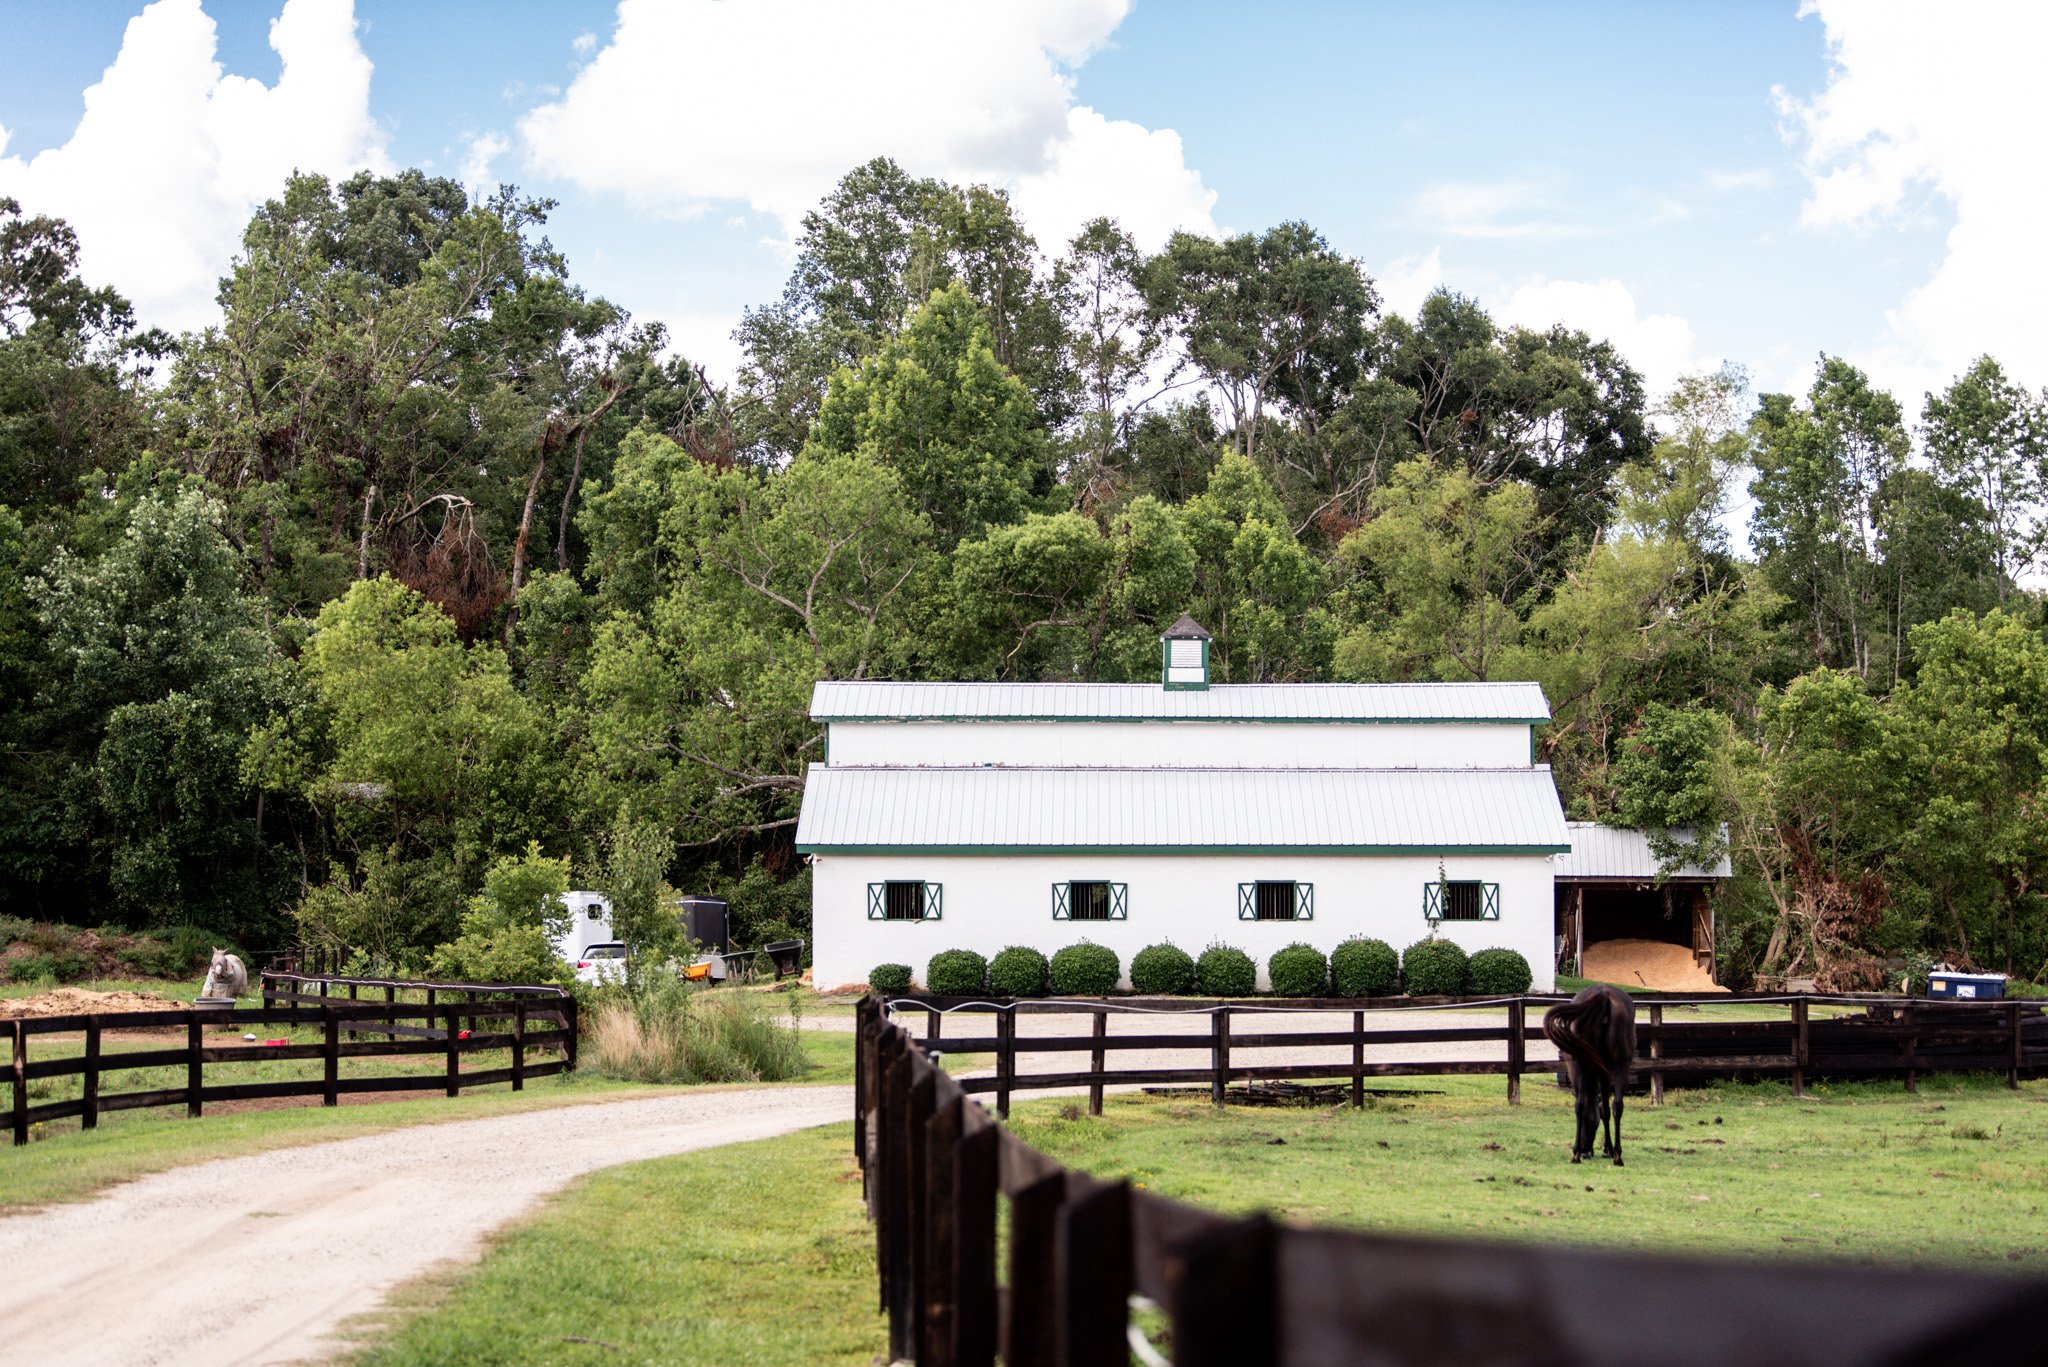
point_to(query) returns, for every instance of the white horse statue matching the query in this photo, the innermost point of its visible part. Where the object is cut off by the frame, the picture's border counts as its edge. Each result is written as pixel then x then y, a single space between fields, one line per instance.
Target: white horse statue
pixel 226 978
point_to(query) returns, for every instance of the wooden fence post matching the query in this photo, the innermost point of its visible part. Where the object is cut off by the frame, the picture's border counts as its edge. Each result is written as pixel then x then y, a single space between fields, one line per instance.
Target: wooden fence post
pixel 330 1057
pixel 20 1080
pixel 1006 1057
pixel 192 1069
pixel 1092 1279
pixel 1219 1054
pixel 933 1024
pixel 1799 1053
pixel 1029 1334
pixel 519 1045
pixel 391 1009
pixel 1223 1294
pixel 1095 1060
pixel 1518 1046
pixel 976 1311
pixel 1358 1060
pixel 90 1116
pixel 924 1088
pixel 941 1213
pixel 1656 1052
pixel 1909 1018
pixel 454 1041
pixel 894 1229
pixel 569 1023
pixel 2012 1075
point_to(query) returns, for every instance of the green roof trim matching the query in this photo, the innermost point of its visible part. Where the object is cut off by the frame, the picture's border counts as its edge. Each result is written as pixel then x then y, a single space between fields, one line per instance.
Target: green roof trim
pixel 1530 850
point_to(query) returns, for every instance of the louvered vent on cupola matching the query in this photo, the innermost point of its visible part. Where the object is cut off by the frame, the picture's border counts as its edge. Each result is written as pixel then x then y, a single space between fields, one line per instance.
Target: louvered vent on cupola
pixel 1184 655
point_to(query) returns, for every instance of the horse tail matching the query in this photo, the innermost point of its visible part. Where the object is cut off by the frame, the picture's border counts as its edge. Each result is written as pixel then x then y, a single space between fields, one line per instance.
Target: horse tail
pixel 1568 1025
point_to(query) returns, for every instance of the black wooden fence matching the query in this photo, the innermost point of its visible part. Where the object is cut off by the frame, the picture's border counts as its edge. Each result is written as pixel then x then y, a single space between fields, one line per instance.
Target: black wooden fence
pixel 452 1020
pixel 1817 1037
pixel 1057 1286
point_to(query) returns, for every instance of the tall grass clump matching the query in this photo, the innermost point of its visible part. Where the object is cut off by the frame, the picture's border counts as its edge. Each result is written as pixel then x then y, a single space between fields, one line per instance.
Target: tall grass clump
pixel 670 1033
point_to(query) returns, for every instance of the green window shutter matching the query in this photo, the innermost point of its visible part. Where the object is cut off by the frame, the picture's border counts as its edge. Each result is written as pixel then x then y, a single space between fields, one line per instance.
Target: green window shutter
pixel 932 901
pixel 1062 907
pixel 1119 901
pixel 877 911
pixel 1304 901
pixel 1247 901
pixel 1432 902
pixel 1492 902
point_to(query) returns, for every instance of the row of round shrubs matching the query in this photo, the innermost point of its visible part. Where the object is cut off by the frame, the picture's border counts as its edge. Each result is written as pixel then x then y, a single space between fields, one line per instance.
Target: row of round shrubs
pixel 1356 968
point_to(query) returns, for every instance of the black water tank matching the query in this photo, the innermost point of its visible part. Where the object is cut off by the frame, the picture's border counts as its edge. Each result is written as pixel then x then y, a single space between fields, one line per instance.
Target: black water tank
pixel 704 921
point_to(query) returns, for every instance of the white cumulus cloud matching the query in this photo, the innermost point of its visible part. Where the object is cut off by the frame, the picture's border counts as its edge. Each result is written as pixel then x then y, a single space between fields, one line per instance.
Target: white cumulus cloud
pixel 1938 108
pixel 692 104
pixel 1660 345
pixel 172 154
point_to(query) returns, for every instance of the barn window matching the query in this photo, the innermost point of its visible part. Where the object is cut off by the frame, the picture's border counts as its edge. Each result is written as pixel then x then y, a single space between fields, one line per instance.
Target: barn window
pixel 1269 901
pixel 1079 901
pixel 1460 901
pixel 903 901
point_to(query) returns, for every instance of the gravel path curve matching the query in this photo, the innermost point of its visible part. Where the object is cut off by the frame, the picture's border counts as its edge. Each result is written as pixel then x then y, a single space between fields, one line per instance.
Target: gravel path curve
pixel 257 1259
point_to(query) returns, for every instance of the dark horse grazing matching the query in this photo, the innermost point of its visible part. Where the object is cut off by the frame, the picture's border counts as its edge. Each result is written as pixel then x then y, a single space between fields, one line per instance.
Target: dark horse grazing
pixel 1595 1033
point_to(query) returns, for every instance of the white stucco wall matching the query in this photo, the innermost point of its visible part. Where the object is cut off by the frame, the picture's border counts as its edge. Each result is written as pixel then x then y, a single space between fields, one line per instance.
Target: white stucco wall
pixel 993 901
pixel 1264 745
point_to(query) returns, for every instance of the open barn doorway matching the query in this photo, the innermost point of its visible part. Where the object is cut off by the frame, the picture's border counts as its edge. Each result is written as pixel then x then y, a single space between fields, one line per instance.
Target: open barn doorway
pixel 1618 922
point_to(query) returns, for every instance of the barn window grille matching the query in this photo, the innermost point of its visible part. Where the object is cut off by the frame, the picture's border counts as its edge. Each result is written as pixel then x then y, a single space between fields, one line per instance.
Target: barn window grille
pixel 903 901
pixel 1462 901
pixel 1079 901
pixel 1276 901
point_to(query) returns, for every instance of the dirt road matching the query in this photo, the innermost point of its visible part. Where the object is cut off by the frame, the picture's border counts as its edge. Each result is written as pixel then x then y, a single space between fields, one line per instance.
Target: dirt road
pixel 257 1259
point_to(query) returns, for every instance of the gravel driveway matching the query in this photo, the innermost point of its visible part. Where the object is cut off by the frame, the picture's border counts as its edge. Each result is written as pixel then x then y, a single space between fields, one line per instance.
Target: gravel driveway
pixel 258 1259
pixel 1243 1021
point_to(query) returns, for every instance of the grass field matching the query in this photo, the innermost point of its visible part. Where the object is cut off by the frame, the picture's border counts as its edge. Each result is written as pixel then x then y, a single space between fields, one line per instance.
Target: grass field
pixel 1956 1174
pixel 750 1255
pixel 758 1254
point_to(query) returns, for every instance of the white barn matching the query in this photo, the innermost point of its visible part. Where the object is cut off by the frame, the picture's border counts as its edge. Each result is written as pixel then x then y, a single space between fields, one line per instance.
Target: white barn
pixel 977 816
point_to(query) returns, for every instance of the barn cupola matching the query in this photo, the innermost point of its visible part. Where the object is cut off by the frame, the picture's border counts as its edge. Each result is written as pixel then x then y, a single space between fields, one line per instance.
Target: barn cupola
pixel 1184 655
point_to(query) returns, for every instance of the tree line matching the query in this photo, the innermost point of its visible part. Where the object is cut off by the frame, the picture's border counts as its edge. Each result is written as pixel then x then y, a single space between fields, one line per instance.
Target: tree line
pixel 425 574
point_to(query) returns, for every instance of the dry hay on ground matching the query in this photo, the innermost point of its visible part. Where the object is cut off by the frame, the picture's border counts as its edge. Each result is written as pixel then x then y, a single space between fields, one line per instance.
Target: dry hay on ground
pixel 77 1001
pixel 1647 963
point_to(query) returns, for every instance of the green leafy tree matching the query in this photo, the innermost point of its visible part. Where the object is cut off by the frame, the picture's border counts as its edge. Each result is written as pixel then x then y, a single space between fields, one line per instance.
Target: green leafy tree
pixel 510 927
pixel 1987 440
pixel 158 665
pixel 938 408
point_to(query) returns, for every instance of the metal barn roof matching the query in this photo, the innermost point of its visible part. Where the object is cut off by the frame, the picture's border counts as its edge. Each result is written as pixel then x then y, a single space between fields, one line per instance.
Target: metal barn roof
pixel 1521 703
pixel 1610 852
pixel 1181 810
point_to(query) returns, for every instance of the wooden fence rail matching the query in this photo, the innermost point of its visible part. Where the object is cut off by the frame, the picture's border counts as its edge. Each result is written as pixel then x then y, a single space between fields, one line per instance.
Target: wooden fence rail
pixel 1253 1293
pixel 536 1019
pixel 1889 1037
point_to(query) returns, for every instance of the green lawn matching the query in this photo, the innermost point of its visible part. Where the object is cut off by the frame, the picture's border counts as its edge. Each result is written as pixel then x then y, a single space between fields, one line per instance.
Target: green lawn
pixel 1956 1174
pixel 744 1256
pixel 758 1254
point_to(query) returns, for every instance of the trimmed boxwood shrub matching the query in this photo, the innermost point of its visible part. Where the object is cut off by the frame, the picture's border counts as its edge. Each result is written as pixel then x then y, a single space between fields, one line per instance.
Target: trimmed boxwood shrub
pixel 1433 968
pixel 1019 971
pixel 956 973
pixel 1163 970
pixel 1299 970
pixel 889 978
pixel 1225 972
pixel 1085 970
pixel 1498 972
pixel 1364 968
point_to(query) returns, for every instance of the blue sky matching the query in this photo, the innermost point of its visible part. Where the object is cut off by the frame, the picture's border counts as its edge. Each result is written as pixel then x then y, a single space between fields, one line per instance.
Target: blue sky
pixel 1738 181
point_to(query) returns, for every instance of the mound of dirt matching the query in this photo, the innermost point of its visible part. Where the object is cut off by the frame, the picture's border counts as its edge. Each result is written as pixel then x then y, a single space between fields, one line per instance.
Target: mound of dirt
pixel 76 1001
pixel 1647 963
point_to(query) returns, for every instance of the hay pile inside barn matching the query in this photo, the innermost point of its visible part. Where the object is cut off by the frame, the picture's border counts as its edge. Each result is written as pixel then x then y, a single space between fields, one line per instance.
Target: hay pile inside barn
pixel 1647 963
